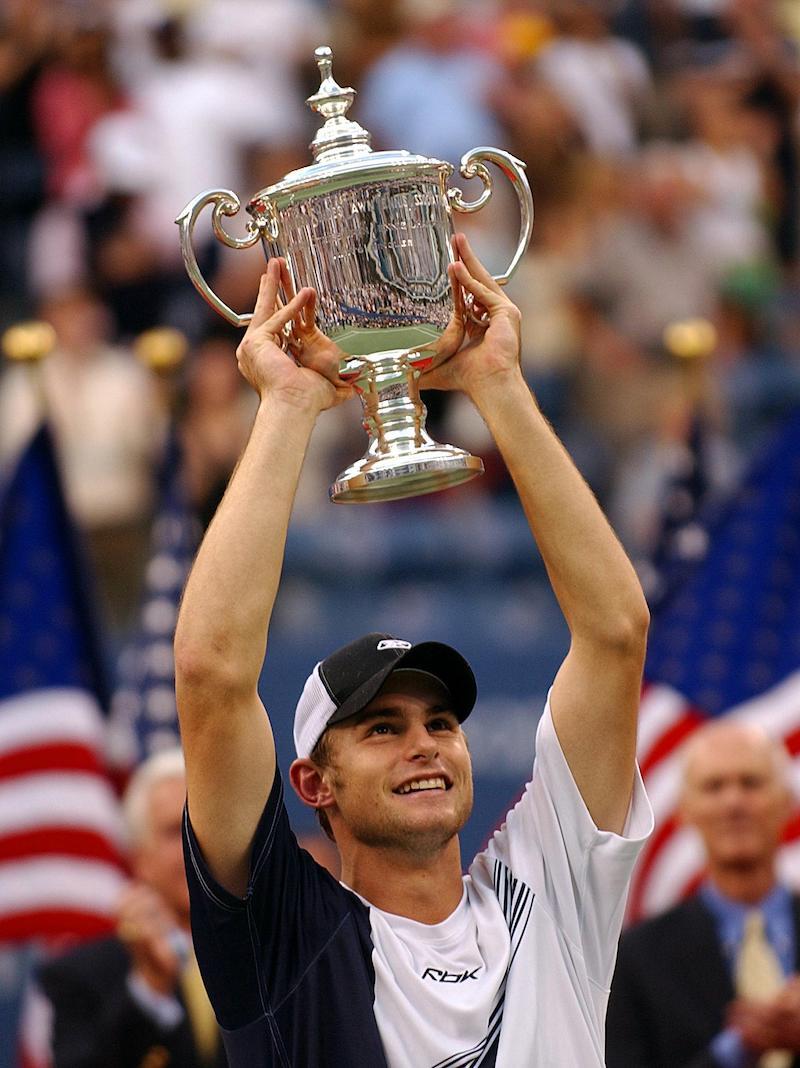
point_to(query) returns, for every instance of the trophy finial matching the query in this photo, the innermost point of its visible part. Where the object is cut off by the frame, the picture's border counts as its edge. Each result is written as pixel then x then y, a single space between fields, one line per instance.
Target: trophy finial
pixel 340 137
pixel 324 58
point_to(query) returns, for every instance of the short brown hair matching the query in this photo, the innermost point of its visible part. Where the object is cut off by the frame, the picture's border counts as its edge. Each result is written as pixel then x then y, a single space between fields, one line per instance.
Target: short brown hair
pixel 322 756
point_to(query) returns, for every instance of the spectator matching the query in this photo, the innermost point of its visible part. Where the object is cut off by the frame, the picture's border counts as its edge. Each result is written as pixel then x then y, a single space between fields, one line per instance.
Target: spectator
pixel 76 88
pixel 191 117
pixel 758 379
pixel 135 995
pixel 683 993
pixel 25 32
pixel 602 79
pixel 648 267
pixel 726 162
pixel 108 433
pixel 429 93
pixel 216 423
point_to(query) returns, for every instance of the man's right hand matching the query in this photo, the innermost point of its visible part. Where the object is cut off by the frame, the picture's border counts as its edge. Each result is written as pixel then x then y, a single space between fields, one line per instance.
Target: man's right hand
pixel 312 379
pixel 147 927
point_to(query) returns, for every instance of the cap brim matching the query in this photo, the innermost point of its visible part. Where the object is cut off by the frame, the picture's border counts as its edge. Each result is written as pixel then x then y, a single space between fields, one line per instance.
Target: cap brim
pixel 435 658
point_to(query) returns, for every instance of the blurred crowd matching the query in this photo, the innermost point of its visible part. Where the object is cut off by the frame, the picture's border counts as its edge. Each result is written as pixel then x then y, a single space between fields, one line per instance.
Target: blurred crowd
pixel 661 139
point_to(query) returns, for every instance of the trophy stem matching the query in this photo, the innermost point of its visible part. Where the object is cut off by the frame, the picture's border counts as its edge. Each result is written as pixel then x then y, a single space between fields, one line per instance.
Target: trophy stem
pixel 402 459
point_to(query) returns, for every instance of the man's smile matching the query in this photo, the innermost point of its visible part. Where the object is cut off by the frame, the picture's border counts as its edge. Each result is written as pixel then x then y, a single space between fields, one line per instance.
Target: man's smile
pixel 436 782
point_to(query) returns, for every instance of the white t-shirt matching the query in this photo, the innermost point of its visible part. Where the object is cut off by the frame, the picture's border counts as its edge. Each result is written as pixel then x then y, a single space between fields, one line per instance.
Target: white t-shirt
pixel 529 951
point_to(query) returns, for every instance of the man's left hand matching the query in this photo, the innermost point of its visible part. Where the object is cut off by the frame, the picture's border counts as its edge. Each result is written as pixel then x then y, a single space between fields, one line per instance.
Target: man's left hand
pixel 492 348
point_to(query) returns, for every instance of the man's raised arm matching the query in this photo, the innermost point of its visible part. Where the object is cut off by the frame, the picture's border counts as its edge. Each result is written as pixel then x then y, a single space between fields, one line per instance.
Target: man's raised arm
pixel 595 696
pixel 220 640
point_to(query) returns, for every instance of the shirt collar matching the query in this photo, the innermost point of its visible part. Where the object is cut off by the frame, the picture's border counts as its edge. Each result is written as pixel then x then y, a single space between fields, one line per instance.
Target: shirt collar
pixel 773 905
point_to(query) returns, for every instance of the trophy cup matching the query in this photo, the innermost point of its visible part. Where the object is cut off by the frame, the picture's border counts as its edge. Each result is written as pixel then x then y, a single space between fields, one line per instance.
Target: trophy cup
pixel 371 233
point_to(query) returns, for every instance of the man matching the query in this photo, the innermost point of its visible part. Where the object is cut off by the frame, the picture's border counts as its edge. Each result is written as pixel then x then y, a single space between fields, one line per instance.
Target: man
pixel 406 962
pixel 136 998
pixel 685 994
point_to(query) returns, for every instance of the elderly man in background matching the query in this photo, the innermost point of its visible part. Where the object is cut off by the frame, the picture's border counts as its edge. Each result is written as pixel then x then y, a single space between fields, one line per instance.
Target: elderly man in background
pixel 712 983
pixel 136 997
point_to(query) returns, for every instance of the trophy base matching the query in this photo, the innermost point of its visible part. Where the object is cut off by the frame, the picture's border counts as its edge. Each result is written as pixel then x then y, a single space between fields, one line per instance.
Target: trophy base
pixel 410 474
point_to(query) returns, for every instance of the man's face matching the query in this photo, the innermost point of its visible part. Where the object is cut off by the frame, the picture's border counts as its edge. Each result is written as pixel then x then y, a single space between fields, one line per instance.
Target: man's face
pixel 401 773
pixel 158 857
pixel 736 797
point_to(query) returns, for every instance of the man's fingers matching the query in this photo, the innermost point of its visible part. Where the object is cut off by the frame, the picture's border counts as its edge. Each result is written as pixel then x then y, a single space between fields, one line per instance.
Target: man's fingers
pixel 324 358
pixel 286 279
pixel 307 321
pixel 292 310
pixel 490 298
pixel 474 265
pixel 294 307
pixel 456 290
pixel 267 295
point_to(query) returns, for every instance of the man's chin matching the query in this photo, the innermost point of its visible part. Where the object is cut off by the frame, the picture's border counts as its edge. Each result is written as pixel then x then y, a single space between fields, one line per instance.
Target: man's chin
pixel 433 830
pixel 423 834
pixel 742 860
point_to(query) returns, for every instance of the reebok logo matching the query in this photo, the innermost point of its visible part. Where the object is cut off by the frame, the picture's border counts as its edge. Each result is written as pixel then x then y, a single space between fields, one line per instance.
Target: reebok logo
pixel 392 643
pixel 439 976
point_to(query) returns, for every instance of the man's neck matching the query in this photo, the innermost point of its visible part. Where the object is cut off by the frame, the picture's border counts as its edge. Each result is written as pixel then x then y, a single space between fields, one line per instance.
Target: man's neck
pixel 426 889
pixel 745 885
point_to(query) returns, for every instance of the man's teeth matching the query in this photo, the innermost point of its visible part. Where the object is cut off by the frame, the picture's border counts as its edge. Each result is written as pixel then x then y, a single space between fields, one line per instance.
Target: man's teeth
pixel 422 784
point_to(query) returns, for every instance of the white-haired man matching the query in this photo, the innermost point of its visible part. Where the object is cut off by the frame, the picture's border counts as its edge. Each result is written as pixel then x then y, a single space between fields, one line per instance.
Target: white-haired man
pixel 135 995
pixel 712 983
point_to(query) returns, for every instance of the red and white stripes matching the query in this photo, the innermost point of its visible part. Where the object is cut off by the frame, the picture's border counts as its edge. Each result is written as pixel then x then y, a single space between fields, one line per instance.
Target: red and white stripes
pixel 62 846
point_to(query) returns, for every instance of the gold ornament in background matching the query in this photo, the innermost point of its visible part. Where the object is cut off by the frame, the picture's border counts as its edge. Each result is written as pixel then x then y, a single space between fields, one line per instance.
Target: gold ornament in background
pixel 690 339
pixel 28 342
pixel 162 349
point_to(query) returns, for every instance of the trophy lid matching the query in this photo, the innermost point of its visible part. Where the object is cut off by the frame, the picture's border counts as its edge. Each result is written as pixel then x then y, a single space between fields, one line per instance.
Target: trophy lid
pixel 341 148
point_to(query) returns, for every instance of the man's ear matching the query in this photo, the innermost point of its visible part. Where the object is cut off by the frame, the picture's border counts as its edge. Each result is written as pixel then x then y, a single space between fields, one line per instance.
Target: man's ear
pixel 310 784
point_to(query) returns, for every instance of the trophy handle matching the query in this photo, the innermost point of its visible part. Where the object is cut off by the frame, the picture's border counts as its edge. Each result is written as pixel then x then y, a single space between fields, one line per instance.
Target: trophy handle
pixel 514 170
pixel 225 203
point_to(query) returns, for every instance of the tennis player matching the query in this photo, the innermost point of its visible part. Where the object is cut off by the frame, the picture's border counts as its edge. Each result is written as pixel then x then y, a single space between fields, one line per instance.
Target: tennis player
pixel 406 962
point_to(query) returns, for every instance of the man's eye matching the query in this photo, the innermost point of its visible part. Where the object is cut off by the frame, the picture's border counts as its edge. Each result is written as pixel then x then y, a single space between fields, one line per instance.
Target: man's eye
pixel 440 725
pixel 380 728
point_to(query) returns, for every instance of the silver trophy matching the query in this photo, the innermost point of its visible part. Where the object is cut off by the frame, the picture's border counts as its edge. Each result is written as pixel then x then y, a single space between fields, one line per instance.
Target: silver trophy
pixel 371 233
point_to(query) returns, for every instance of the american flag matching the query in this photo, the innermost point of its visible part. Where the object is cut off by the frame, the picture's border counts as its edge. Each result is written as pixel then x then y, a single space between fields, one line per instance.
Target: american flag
pixel 143 712
pixel 725 641
pixel 61 844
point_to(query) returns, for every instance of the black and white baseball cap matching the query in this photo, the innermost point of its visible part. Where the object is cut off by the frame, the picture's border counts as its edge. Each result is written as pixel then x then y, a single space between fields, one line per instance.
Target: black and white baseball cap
pixel 347 680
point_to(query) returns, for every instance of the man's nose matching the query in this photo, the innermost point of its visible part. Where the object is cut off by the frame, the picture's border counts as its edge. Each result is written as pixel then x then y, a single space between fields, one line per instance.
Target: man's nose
pixel 734 797
pixel 421 743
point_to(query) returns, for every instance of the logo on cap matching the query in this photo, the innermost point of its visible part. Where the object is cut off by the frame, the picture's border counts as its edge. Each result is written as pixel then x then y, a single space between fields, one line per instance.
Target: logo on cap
pixel 393 643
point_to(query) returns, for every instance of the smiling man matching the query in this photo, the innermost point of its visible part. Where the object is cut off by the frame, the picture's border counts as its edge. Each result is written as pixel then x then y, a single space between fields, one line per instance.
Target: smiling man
pixel 407 963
